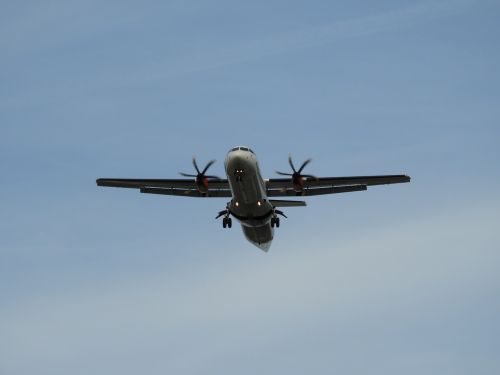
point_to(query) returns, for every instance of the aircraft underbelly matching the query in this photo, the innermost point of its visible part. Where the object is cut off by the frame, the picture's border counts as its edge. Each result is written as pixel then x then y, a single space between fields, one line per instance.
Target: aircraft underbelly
pixel 249 205
pixel 259 236
pixel 245 192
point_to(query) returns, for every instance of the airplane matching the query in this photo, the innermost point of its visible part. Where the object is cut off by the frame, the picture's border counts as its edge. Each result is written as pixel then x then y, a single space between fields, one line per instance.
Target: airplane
pixel 252 197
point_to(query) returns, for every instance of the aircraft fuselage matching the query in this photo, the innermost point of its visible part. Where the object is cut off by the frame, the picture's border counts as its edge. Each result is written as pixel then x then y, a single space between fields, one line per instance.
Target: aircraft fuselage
pixel 249 203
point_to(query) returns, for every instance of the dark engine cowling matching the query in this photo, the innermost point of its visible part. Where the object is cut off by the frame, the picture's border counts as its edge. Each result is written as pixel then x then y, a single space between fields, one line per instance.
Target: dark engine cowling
pixel 298 178
pixel 201 179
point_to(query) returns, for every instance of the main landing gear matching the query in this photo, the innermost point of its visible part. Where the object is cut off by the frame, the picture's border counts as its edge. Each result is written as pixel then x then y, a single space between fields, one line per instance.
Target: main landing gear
pixel 275 220
pixel 227 222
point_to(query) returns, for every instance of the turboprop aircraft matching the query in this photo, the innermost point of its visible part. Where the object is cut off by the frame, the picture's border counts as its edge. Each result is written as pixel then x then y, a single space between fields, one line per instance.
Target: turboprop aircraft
pixel 252 197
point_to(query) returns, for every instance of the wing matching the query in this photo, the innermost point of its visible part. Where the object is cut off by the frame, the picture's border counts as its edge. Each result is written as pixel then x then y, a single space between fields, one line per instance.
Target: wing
pixel 178 187
pixel 278 187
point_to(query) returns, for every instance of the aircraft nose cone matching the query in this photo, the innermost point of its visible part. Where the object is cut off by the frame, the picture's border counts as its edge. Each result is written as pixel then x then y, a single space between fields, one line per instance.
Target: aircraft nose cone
pixel 237 160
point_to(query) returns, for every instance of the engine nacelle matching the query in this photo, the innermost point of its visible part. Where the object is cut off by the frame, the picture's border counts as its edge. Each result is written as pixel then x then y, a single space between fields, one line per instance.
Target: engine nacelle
pixel 202 184
pixel 298 183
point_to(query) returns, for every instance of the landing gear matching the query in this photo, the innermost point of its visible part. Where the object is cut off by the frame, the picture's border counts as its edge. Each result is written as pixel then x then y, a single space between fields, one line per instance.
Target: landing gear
pixel 275 222
pixel 227 222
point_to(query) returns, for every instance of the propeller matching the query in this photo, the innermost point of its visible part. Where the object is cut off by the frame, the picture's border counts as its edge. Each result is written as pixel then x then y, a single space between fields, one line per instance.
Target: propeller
pixel 201 178
pixel 297 176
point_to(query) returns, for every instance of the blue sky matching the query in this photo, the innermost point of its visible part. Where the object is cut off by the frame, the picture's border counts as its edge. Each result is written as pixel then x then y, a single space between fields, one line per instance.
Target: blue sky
pixel 397 279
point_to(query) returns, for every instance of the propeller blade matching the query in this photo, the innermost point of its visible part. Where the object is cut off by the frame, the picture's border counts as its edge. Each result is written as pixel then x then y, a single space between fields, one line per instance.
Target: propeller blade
pixel 291 163
pixel 304 164
pixel 297 176
pixel 214 177
pixel 283 173
pixel 196 165
pixel 208 166
pixel 187 174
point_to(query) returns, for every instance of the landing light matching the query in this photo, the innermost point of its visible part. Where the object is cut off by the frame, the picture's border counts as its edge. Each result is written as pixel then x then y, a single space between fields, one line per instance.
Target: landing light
pixel 258 203
pixel 237 204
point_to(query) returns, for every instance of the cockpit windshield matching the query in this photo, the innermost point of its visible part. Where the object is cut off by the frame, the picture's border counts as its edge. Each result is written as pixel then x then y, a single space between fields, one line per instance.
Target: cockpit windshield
pixel 242 148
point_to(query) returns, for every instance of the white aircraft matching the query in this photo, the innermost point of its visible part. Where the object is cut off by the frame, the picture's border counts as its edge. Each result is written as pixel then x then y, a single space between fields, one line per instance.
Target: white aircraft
pixel 250 193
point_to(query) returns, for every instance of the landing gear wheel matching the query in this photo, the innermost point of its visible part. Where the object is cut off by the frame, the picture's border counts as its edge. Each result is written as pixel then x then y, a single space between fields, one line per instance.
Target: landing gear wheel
pixel 224 222
pixel 229 222
pixel 275 222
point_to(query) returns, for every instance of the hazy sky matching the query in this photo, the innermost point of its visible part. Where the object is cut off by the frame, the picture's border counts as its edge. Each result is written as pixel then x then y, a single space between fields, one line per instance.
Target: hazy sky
pixel 398 279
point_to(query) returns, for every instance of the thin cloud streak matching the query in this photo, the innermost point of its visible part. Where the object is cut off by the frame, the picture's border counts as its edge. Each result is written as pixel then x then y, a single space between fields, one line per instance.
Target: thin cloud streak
pixel 378 275
pixel 290 41
pixel 214 57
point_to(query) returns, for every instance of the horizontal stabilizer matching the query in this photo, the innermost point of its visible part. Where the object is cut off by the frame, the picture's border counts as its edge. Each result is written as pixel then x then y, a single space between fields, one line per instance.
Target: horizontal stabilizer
pixel 285 203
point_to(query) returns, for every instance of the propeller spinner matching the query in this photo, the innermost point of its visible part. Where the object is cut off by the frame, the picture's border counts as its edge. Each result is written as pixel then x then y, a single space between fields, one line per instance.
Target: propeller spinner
pixel 201 179
pixel 297 177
